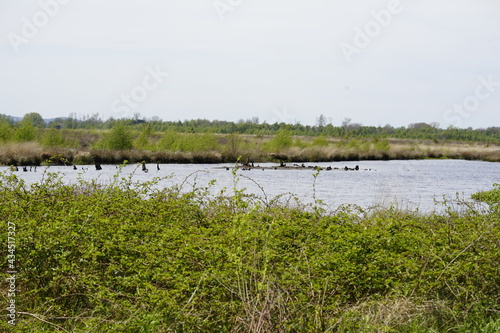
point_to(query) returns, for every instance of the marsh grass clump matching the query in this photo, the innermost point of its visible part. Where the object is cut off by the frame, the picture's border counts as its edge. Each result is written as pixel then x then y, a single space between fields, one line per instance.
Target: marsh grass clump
pixel 135 257
pixel 122 143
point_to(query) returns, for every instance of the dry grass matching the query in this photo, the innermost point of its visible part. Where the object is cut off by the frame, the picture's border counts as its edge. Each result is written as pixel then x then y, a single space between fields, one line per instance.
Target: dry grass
pixel 398 151
pixel 21 153
pixel 32 153
pixel 387 314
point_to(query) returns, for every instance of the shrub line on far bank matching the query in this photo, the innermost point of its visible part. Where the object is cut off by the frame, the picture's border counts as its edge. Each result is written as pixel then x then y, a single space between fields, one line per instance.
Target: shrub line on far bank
pixel 20 154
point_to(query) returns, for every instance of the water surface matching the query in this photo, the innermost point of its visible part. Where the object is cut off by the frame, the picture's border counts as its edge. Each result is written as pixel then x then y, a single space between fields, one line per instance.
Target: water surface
pixel 409 184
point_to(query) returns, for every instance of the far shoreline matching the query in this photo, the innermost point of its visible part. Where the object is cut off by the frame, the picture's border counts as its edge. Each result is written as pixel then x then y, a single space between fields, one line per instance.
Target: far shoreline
pixel 33 154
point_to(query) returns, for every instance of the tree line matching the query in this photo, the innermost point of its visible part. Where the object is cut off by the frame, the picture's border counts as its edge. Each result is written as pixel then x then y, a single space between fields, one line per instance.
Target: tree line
pixel 26 129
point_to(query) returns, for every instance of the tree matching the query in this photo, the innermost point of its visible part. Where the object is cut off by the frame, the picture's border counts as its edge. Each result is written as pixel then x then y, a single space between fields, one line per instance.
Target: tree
pixel 53 138
pixel 419 126
pixel 283 139
pixel 25 131
pixel 6 119
pixel 6 128
pixel 142 141
pixel 346 122
pixel 120 138
pixel 321 121
pixel 234 143
pixel 168 140
pixel 34 118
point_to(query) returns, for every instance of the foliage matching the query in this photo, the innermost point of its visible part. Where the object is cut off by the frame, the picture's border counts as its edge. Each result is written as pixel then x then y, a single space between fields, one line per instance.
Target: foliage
pixel 113 141
pixel 5 131
pixel 142 142
pixel 282 140
pixel 131 257
pixel 119 138
pixel 320 141
pixel 53 138
pixel 418 131
pixel 188 142
pixel 34 119
pixel 491 197
pixel 25 132
pixel 382 145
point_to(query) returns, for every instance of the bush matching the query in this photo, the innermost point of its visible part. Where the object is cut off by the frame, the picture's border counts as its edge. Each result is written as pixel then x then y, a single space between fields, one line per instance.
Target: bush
pixel 25 132
pixel 120 137
pixel 282 140
pixel 128 257
pixel 53 138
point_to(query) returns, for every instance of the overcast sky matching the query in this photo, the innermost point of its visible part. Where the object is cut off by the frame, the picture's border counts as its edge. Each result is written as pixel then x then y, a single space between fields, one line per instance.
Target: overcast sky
pixel 376 62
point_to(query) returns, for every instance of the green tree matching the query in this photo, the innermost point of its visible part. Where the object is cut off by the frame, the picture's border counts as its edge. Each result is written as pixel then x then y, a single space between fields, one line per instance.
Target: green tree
pixel 6 128
pixel 25 131
pixel 53 138
pixel 234 144
pixel 35 119
pixel 282 140
pixel 168 141
pixel 120 137
pixel 142 142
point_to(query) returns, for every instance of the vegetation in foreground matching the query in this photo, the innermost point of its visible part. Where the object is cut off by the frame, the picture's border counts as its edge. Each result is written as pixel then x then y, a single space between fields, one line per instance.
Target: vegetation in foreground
pixel 130 257
pixel 31 141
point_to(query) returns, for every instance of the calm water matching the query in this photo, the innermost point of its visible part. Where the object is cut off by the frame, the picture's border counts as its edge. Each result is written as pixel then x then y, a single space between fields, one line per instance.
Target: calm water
pixel 409 184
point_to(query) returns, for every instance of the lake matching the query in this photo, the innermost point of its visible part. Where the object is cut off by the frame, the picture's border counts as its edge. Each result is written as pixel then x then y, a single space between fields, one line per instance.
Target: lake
pixel 408 184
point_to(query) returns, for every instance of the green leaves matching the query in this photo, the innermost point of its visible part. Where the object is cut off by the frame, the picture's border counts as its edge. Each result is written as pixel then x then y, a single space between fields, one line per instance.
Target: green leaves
pixel 120 137
pixel 131 257
pixel 491 197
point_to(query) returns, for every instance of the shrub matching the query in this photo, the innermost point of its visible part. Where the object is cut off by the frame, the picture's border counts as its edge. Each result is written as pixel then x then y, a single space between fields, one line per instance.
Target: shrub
pixel 136 257
pixel 282 140
pixel 53 138
pixel 25 132
pixel 120 137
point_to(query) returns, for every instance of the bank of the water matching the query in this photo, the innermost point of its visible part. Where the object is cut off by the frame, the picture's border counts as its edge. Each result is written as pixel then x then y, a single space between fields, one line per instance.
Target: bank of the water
pixel 32 153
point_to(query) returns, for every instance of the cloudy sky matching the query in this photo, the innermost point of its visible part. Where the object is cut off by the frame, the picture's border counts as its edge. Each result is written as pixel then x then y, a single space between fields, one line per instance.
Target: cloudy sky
pixel 376 62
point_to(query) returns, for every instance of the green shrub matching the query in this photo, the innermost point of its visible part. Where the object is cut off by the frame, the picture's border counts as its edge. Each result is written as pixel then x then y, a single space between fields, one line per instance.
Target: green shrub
pixel 137 257
pixel 382 145
pixel 142 142
pixel 168 140
pixel 53 138
pixel 120 137
pixel 282 140
pixel 6 132
pixel 25 132
pixel 321 141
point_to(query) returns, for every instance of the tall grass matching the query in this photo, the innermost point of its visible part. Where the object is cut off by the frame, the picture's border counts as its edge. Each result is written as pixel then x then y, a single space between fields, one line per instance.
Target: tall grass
pixel 174 147
pixel 133 257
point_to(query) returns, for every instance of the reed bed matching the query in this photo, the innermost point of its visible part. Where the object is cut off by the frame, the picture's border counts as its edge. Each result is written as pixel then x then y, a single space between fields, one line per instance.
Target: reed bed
pixel 256 150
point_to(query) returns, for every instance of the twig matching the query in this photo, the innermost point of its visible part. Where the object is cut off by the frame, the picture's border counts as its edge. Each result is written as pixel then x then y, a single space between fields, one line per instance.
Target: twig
pixel 39 317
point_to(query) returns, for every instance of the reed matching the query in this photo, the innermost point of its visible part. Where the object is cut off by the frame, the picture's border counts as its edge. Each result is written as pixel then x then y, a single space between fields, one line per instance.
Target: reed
pixel 211 148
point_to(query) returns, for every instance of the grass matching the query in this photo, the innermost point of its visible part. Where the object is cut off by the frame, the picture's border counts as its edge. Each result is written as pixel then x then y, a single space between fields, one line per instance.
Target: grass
pixel 130 257
pixel 171 147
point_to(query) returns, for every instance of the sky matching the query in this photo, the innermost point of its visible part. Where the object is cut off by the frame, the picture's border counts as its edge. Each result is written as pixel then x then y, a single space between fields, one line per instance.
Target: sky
pixel 376 62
